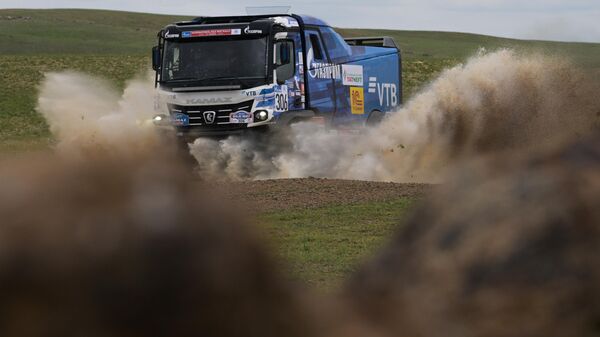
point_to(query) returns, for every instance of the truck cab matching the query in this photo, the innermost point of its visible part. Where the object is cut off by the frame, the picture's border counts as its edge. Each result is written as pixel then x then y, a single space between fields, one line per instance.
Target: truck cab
pixel 225 75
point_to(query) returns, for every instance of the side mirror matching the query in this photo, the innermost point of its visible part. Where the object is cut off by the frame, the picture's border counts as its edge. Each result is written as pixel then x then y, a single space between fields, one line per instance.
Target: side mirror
pixel 155 58
pixel 285 65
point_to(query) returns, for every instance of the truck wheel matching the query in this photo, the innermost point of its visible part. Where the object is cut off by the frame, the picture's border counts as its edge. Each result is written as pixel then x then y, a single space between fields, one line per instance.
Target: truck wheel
pixel 375 118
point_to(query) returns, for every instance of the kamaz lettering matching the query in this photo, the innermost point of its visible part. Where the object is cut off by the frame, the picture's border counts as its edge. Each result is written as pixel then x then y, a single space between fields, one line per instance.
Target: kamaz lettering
pixel 213 79
pixel 212 100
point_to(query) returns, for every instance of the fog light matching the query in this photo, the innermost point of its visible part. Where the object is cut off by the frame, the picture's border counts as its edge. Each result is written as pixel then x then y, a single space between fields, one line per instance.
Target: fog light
pixel 262 115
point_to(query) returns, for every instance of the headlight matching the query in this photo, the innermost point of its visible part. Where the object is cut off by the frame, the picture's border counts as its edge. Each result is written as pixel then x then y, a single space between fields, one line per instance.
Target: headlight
pixel 159 119
pixel 261 115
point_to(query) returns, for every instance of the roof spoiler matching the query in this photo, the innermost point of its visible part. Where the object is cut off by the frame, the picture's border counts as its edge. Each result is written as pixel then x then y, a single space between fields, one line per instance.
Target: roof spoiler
pixel 385 41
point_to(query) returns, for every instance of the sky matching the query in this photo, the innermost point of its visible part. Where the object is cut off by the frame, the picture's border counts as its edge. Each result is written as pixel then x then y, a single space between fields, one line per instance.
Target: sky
pixel 560 20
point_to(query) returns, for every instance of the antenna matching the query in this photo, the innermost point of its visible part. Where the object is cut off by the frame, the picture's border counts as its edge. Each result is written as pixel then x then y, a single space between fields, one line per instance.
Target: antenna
pixel 268 10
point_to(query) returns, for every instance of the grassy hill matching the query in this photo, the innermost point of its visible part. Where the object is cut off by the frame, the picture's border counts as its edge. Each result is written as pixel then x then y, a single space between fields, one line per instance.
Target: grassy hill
pixel 78 31
pixel 445 45
pixel 115 45
pixel 322 245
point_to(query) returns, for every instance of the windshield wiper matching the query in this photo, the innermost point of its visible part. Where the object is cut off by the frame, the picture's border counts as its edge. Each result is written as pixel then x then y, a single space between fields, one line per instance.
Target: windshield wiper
pixel 183 79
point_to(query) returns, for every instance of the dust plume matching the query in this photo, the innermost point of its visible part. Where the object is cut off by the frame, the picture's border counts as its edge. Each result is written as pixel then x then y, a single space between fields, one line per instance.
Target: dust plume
pixel 500 101
pixel 87 114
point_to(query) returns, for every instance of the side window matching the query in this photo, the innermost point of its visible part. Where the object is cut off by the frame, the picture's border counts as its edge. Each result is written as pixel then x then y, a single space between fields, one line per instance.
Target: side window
pixel 316 46
pixel 338 49
pixel 284 60
pixel 172 61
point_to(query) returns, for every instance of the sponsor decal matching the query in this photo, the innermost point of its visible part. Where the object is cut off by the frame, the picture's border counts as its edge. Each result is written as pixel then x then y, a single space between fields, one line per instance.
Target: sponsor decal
pixel 281 35
pixel 240 117
pixel 212 100
pixel 286 21
pixel 281 99
pixel 168 35
pixel 301 63
pixel 352 75
pixel 357 100
pixel 180 119
pixel 211 32
pixel 209 117
pixel 249 93
pixel 253 31
pixel 372 85
pixel 386 92
pixel 322 70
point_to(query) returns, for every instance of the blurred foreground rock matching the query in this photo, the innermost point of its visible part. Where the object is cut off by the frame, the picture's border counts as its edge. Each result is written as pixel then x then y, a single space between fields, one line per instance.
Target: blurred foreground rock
pixel 508 247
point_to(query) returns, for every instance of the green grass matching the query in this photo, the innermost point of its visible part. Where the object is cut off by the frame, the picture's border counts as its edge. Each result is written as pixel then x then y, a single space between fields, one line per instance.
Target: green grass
pixel 324 245
pixel 21 127
pixel 79 31
pixel 459 46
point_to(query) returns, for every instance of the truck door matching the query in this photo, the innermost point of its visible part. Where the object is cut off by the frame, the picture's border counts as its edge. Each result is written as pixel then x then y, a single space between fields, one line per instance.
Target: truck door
pixel 321 74
pixel 289 93
pixel 349 87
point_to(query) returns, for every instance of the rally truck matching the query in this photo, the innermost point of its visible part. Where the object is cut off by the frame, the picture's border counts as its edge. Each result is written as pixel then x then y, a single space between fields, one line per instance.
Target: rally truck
pixel 223 75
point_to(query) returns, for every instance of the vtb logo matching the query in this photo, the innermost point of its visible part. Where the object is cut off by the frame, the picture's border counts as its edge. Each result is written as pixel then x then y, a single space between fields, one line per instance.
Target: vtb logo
pixel 387 92
pixel 209 117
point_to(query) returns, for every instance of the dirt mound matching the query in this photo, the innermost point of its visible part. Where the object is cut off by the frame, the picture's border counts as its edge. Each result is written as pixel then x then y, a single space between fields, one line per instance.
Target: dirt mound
pixel 116 248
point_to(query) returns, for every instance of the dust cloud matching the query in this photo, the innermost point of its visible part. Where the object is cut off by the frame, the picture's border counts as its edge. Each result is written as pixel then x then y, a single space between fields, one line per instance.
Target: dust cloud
pixel 87 114
pixel 499 101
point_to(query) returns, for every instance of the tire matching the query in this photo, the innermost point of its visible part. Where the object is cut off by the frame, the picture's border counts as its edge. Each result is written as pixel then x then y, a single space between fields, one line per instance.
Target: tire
pixel 375 118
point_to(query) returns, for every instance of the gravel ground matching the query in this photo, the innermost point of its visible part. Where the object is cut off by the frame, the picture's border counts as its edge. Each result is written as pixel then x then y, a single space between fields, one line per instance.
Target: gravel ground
pixel 285 194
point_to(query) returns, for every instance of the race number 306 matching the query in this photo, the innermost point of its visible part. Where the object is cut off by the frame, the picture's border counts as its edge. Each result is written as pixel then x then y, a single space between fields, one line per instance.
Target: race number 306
pixel 281 99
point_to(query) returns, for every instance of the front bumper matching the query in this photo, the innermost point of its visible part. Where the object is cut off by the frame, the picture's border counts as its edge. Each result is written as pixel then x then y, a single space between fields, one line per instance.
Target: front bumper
pixel 189 134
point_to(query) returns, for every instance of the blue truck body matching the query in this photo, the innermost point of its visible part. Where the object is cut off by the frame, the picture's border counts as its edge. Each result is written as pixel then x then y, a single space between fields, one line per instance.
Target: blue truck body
pixel 272 70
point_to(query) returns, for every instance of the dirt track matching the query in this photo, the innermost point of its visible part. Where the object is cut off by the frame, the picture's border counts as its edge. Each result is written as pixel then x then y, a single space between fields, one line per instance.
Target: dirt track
pixel 282 194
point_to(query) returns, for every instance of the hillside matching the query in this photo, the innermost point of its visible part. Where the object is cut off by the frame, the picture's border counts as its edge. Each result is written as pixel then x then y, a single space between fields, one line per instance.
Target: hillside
pixel 446 45
pixel 115 46
pixel 76 31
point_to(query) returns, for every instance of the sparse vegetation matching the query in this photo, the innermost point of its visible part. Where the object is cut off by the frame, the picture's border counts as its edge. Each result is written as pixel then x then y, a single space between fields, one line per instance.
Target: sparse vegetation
pixel 21 127
pixel 323 245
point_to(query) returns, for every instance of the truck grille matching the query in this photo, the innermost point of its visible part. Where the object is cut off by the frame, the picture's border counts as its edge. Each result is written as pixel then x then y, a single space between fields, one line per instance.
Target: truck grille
pixel 196 114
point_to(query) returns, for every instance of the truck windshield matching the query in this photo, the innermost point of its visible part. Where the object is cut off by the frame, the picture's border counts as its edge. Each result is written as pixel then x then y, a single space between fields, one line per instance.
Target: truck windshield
pixel 234 60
